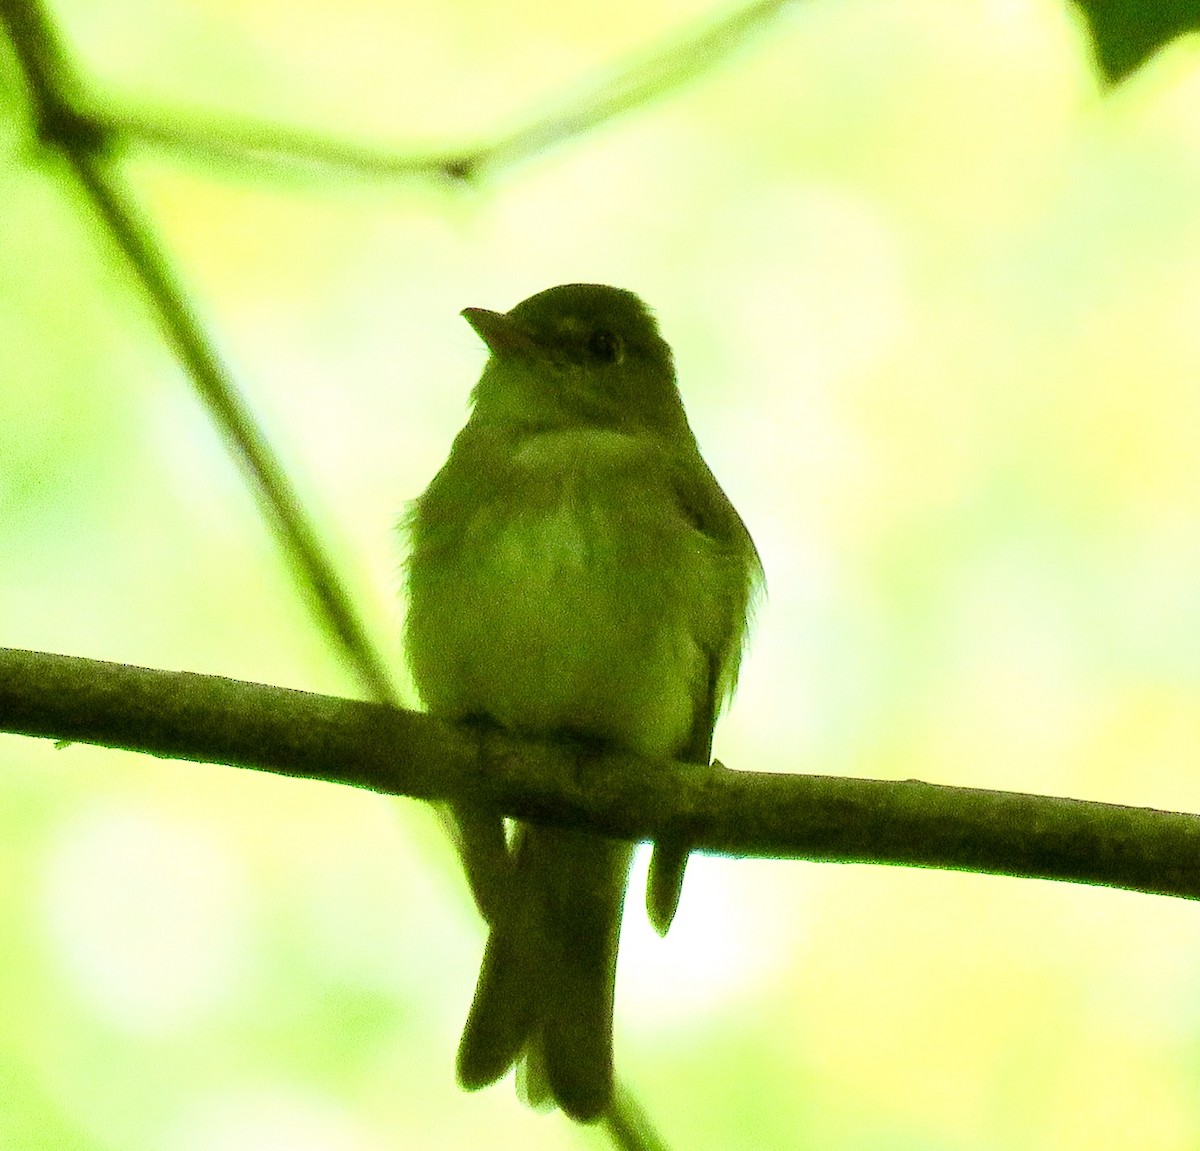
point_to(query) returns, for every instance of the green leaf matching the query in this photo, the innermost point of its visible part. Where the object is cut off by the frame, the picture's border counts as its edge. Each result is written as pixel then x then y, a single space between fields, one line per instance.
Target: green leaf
pixel 1127 32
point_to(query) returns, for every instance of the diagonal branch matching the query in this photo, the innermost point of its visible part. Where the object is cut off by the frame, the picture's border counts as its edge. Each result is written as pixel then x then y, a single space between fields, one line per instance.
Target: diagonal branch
pixel 182 715
pixel 85 145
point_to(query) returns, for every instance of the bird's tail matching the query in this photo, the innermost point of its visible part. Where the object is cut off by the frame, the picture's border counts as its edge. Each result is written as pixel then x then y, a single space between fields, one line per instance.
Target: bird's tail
pixel 546 985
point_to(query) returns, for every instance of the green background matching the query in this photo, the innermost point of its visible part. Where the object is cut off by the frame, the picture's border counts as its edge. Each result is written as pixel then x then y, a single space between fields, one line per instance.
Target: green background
pixel 936 308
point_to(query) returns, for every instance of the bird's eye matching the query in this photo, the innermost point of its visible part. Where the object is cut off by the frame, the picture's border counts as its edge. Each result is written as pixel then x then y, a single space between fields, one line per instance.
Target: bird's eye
pixel 605 346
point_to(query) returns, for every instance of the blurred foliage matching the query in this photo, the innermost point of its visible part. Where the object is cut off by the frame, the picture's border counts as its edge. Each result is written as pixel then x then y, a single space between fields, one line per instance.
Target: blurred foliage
pixel 933 302
pixel 1128 31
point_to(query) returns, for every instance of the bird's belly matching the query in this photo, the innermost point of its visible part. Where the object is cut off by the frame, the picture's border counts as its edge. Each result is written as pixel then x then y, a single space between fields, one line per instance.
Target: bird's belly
pixel 573 623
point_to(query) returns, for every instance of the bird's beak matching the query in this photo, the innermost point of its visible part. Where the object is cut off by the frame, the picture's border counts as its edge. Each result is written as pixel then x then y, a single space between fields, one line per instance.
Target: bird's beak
pixel 502 334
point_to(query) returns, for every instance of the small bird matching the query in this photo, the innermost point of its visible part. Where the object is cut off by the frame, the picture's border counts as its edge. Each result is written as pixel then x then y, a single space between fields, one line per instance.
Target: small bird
pixel 575 572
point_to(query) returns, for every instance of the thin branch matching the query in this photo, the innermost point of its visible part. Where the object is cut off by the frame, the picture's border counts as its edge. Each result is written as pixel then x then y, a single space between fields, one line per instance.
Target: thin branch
pixel 182 715
pixel 85 146
pixel 308 555
pixel 643 79
pixel 273 149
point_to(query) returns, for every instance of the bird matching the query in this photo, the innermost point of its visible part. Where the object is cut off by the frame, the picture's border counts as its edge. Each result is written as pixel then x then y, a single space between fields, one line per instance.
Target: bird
pixel 574 572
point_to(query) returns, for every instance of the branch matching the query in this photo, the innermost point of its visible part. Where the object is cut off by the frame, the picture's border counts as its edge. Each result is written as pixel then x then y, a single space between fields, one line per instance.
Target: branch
pixel 181 715
pixel 67 117
pixel 86 145
pixel 636 83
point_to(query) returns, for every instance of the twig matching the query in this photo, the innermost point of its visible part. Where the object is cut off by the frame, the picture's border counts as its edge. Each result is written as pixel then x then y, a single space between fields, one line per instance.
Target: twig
pixel 85 145
pixel 642 80
pixel 638 82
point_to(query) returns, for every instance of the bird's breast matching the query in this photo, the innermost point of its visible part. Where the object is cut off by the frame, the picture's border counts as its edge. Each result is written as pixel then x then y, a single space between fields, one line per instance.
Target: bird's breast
pixel 568 600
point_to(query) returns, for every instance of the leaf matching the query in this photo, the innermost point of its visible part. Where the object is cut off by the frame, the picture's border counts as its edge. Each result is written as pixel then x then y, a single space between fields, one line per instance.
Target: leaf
pixel 1128 32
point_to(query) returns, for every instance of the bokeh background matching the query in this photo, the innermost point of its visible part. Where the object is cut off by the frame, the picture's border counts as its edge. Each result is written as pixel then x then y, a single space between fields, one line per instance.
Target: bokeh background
pixel 936 307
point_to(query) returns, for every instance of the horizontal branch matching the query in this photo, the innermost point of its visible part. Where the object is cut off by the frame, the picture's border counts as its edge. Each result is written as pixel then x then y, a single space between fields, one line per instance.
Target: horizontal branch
pixel 182 715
